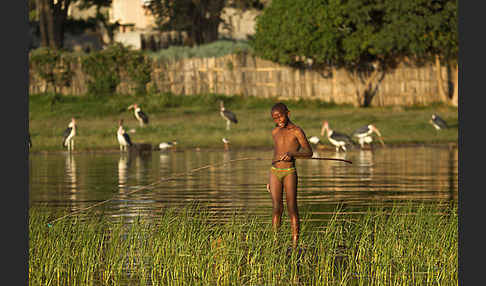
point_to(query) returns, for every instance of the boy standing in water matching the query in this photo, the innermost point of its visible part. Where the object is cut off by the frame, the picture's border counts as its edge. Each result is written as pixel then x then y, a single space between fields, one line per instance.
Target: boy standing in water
pixel 288 140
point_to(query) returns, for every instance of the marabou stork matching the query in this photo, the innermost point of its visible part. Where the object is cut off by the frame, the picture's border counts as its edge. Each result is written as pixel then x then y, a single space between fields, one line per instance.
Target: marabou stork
pixel 167 145
pixel 68 135
pixel 226 143
pixel 339 140
pixel 139 114
pixel 438 122
pixel 364 134
pixel 123 137
pixel 227 115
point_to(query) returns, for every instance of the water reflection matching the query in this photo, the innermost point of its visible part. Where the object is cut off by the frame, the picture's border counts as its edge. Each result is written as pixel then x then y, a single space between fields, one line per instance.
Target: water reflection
pixel 123 164
pixel 381 176
pixel 141 168
pixel 365 165
pixel 71 176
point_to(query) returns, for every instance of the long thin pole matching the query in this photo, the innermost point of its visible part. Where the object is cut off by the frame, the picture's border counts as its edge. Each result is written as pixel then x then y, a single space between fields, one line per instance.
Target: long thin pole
pixel 320 158
pixel 161 180
pixel 173 177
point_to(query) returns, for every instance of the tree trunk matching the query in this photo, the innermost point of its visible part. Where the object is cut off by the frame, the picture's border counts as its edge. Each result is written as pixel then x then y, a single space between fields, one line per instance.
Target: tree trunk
pixel 210 30
pixel 454 78
pixel 42 10
pixel 51 29
pixel 440 81
pixel 351 75
pixel 455 81
pixel 51 21
pixel 365 89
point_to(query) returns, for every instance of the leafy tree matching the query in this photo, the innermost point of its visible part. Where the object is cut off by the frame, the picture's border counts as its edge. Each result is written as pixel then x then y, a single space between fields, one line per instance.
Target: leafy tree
pixel 427 31
pixel 367 38
pixel 444 47
pixel 52 16
pixel 53 67
pixel 200 19
pixel 106 68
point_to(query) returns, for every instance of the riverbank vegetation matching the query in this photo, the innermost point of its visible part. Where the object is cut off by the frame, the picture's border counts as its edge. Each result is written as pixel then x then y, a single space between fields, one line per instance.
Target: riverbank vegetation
pixel 400 245
pixel 194 121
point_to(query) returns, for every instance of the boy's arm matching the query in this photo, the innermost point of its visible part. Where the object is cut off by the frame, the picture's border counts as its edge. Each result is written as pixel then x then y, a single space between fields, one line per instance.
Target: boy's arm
pixel 306 149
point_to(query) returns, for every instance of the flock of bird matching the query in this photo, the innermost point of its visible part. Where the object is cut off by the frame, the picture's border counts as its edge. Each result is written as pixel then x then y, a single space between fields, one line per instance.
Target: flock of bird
pixel 342 141
pixel 339 140
pixel 364 134
pixel 123 137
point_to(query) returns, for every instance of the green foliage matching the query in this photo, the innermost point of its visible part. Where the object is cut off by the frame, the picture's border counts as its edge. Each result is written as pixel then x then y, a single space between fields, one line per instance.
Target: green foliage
pixel 288 32
pixel 53 66
pixel 199 19
pixel 102 70
pixel 138 68
pixel 366 38
pixel 106 67
pixel 350 32
pixel 421 28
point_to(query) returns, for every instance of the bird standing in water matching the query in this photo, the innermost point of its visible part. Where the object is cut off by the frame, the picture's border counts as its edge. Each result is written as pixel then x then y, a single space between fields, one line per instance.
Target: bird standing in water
pixel 68 136
pixel 314 140
pixel 168 145
pixel 339 140
pixel 364 135
pixel 227 115
pixel 226 143
pixel 438 122
pixel 139 114
pixel 123 137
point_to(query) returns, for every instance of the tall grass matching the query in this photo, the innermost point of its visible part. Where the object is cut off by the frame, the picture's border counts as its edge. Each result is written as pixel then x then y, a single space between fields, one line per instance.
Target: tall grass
pixel 402 245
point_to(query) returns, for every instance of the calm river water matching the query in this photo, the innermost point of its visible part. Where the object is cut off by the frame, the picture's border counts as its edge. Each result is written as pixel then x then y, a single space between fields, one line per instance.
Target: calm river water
pixel 380 177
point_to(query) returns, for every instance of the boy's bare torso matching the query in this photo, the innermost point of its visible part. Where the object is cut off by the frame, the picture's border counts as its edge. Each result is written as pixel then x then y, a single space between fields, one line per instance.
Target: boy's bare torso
pixel 288 139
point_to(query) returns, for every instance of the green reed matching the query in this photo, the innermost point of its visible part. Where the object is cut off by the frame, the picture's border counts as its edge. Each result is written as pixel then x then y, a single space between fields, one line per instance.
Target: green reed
pixel 401 245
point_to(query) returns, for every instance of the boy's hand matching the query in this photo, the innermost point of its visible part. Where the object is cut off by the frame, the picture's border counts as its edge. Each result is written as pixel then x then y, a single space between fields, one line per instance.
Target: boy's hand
pixel 286 157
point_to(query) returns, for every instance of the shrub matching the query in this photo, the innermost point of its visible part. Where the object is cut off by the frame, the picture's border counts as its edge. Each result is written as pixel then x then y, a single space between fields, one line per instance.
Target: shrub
pixel 105 69
pixel 53 66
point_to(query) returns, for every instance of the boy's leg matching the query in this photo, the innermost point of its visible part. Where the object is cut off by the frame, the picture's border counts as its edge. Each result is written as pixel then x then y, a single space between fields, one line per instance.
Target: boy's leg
pixel 290 184
pixel 276 191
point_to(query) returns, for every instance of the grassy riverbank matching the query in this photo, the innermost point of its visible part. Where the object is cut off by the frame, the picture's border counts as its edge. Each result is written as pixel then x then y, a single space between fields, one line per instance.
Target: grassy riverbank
pixel 194 121
pixel 397 246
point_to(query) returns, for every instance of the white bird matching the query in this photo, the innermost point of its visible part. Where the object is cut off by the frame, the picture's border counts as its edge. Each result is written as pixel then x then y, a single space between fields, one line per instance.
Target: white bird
pixel 68 135
pixel 438 122
pixel 123 137
pixel 227 115
pixel 226 144
pixel 364 135
pixel 339 140
pixel 167 145
pixel 139 114
pixel 314 140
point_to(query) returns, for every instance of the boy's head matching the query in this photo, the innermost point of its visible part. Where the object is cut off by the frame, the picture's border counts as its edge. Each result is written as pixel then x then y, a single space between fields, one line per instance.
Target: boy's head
pixel 280 114
pixel 280 107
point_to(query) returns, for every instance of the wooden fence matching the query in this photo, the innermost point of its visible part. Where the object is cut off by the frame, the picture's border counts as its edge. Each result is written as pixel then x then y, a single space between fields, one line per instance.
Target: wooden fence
pixel 242 74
